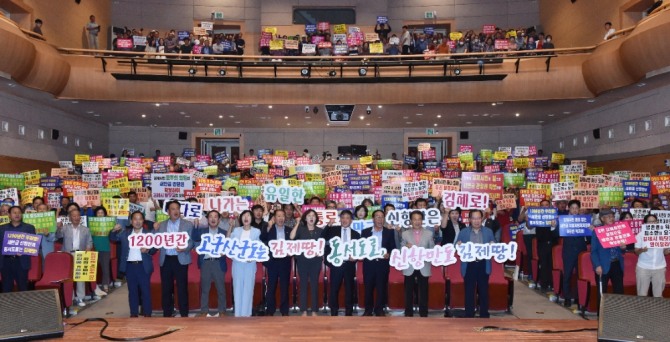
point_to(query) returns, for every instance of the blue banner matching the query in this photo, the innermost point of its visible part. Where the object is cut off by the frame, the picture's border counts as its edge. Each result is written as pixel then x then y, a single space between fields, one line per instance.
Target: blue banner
pixel 188 152
pixel 541 161
pixel 310 28
pixel 574 225
pixel 382 19
pixel 531 174
pixel 541 216
pixel 395 200
pixel 409 160
pixel 359 183
pixel 637 188
pixel 50 182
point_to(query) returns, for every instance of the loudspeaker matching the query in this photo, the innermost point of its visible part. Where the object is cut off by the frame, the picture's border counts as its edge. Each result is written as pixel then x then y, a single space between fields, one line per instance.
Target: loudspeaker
pixel 465 135
pixel 30 315
pixel 596 133
pixel 55 134
pixel 182 135
pixel 633 318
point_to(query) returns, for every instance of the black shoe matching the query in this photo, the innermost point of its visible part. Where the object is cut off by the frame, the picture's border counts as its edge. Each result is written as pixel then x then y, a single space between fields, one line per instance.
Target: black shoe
pixel 567 303
pixel 367 313
pixel 380 314
pixel 284 314
pixel 348 313
pixel 133 316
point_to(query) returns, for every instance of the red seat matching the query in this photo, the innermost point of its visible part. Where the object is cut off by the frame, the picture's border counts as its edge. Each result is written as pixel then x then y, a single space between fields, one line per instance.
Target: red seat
pixel 260 285
pixel 437 289
pixel 155 283
pixel 629 278
pixel 113 259
pixel 587 288
pixel 666 292
pixel 501 289
pixel 360 282
pixel 505 235
pixel 58 268
pixel 455 286
pixel 521 253
pixel 396 292
pixel 35 272
pixel 535 261
pixel 58 246
pixel 557 271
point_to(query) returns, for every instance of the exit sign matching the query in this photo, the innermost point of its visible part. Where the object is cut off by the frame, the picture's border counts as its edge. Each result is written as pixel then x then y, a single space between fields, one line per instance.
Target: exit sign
pixel 430 131
pixel 218 131
pixel 430 15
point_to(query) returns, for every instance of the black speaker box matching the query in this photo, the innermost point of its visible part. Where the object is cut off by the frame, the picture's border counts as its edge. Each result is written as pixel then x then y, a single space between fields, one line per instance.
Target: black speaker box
pixel 182 135
pixel 465 135
pixel 633 318
pixel 596 133
pixel 55 134
pixel 30 315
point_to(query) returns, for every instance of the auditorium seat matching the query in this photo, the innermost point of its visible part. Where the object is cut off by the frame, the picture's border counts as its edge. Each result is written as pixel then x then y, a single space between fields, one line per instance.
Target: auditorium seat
pixel 260 286
pixel 535 261
pixel 455 287
pixel 587 287
pixel 360 286
pixel 35 272
pixel 521 253
pixel 155 283
pixel 501 289
pixel 58 246
pixel 557 271
pixel 396 292
pixel 505 235
pixel 437 289
pixel 629 278
pixel 666 292
pixel 58 268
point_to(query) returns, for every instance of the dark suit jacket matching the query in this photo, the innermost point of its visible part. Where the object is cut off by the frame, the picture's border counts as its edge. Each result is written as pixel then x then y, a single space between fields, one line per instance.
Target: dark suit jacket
pixel 335 231
pixel 388 242
pixel 492 224
pixel 196 236
pixel 22 228
pixel 267 236
pixel 122 237
pixel 449 232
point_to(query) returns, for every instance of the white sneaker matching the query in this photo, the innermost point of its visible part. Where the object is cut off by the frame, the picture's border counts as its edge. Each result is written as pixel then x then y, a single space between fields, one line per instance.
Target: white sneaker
pixel 117 284
pixel 81 303
pixel 215 315
pixel 95 297
pixel 99 292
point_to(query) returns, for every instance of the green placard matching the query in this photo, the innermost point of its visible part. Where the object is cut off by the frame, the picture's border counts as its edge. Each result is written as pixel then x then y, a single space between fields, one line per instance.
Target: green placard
pixel 386 164
pixel 109 193
pixel 312 189
pixel 11 180
pixel 253 191
pixel 44 222
pixel 161 216
pixel 229 183
pixel 514 179
pixel 487 156
pixel 610 196
pixel 101 226
pixel 371 210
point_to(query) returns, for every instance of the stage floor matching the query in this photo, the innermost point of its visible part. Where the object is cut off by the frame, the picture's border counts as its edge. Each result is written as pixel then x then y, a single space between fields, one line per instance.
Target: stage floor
pixel 330 329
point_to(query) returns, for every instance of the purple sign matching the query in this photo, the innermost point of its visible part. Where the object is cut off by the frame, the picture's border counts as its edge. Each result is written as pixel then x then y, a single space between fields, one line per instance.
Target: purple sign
pixel 396 201
pixel 17 243
pixel 574 225
pixel 49 182
pixel 531 174
pixel 359 183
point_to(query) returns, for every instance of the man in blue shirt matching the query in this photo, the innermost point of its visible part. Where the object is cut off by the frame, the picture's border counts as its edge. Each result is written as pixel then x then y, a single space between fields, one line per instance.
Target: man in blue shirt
pixel 15 268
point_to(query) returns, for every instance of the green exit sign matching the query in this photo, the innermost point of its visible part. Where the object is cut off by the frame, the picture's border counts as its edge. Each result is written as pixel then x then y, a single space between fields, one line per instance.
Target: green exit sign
pixel 218 131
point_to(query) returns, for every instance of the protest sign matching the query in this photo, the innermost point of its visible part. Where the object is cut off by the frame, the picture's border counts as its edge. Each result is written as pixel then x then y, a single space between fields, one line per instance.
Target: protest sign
pixel 170 185
pixel 85 266
pixel 445 255
pixel 325 216
pixel 44 222
pixel 401 217
pixel 101 226
pixel 507 202
pixel 663 216
pixel 574 225
pixel 637 189
pixel 188 210
pixel 288 248
pixel 589 199
pixel 443 184
pixel 283 194
pixel 614 235
pixel 661 183
pixel 229 204
pixel 610 196
pixel 656 235
pixel 216 245
pixel 10 193
pixel 364 248
pixel 639 213
pixel 79 159
pixel 119 207
pixel 411 191
pixel 359 225
pixel 465 200
pixel 17 243
pixel 10 180
pixel 499 252
pixel 357 199
pixel 396 201
pixel 541 216
pixel 87 197
pixel 513 179
pixel 557 158
pixel 491 184
pixel 31 177
pixel 174 240
pixel 28 194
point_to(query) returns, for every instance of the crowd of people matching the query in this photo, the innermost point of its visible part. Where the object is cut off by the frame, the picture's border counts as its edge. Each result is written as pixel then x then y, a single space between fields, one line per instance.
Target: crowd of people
pixel 267 221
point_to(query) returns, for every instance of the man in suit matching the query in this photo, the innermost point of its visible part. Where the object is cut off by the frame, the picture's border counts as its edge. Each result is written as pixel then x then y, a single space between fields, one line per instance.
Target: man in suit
pixel 572 247
pixel 137 264
pixel 376 272
pixel 174 262
pixel 76 237
pixel 279 269
pixel 490 221
pixel 211 268
pixel 476 273
pixel 14 268
pixel 420 237
pixel 347 271
pixel 607 262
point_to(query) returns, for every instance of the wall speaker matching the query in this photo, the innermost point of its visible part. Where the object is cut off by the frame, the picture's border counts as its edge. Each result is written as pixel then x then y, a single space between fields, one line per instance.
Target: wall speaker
pixel 633 318
pixel 465 135
pixel 596 133
pixel 55 134
pixel 182 135
pixel 30 315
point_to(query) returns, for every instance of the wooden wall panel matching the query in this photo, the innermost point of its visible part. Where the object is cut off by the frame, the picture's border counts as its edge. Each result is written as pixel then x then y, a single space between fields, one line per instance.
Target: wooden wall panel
pixel 652 163
pixel 16 165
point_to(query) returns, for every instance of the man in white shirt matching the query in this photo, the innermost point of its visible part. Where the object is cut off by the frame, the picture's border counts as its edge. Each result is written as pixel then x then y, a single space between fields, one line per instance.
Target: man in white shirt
pixel 610 31
pixel 347 271
pixel 651 264
pixel 405 40
pixel 92 28
pixel 76 237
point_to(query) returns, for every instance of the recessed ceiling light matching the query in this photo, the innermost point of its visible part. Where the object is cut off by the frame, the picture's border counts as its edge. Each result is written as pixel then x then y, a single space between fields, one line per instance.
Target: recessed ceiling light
pixel 409 122
pixel 517 115
pixel 361 117
pixel 550 114
pixel 187 116
pixel 197 122
pixel 118 122
pixel 641 84
pixel 380 106
pixel 566 113
pixel 439 116
pixel 591 100
pixel 238 122
pixel 540 121
pixel 420 105
pixel 419 114
pixel 220 116
pixel 288 124
pixel 478 114
pixel 485 114
pixel 182 113
pixel 367 124
pixel 96 114
pixel 75 101
pixel 157 104
pixel 379 117
pixel 435 124
pixel 462 114
pixel 211 124
pixel 144 115
pixel 405 117
pixel 270 106
pixel 231 116
pixel 327 124
pixel 469 122
pixel 89 112
pixel 493 104
pixel 307 117
pixel 499 103
pixel 286 117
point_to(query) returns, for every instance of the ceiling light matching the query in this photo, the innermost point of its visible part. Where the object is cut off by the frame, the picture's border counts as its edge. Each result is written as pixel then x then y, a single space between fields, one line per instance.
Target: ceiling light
pixel 157 105
pixel 419 114
pixel 238 122
pixel 222 72
pixel 211 124
pixel 493 104
pixel 405 117
pixel 118 122
pixel 435 124
pixel 591 100
pixel 286 117
pixel 462 114
pixel 457 71
pixel 327 124
pixel 220 116
pixel 361 117
pixel 89 112
pixel 231 116
pixel 197 122
pixel 144 115
pixel 566 113
pixel 270 106
pixel 540 121
pixel 409 122
pixel 550 114
pixel 439 116
pixel 517 115
pixel 304 72
pixel 367 124
pixel 75 102
pixel 182 113
pixel 96 114
pixel 307 117
pixel 192 71
pixel 420 105
pixel 380 106
pixel 288 124
pixel 469 122
pixel 187 116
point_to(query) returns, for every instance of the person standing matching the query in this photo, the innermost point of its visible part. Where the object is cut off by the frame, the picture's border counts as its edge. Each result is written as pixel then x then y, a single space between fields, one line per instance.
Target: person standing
pixel 38 26
pixel 212 269
pixel 420 237
pixel 344 273
pixel 279 269
pixel 308 268
pixel 376 272
pixel 92 30
pixel 14 268
pixel 609 34
pixel 137 264
pixel 651 265
pixel 174 262
pixel 572 247
pixel 76 237
pixel 607 262
pixel 451 226
pixel 240 43
pixel 546 236
pixel 244 272
pixel 476 273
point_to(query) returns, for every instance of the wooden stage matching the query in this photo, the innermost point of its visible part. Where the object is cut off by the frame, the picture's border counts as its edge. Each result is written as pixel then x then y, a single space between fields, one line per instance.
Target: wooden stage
pixel 329 329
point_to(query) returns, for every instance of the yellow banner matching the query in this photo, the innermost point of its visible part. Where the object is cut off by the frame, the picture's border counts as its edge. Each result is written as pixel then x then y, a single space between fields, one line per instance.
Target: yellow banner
pixel 32 177
pixel 119 207
pixel 500 155
pixel 366 160
pixel 80 158
pixel 339 29
pixel 557 158
pixel 85 266
pixel 283 153
pixel 119 183
pixel 376 48
pixel 28 194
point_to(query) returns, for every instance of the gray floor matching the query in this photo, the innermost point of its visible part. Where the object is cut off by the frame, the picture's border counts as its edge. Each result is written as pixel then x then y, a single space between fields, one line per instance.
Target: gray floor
pixel 528 304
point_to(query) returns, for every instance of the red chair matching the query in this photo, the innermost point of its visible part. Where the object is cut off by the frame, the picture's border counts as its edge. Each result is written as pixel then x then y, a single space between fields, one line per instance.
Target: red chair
pixel 155 283
pixel 557 271
pixel 260 285
pixel 58 268
pixel 455 287
pixel 114 260
pixel 501 289
pixel 629 278
pixel 666 292
pixel 396 292
pixel 35 272
pixel 521 253
pixel 437 289
pixel 587 287
pixel 505 235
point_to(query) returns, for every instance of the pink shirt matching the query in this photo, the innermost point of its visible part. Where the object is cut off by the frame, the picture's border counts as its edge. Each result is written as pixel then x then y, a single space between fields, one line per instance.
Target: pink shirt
pixel 417 235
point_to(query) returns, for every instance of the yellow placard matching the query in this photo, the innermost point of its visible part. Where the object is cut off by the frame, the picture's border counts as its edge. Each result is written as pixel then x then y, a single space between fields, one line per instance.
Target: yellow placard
pixel 520 163
pixel 85 266
pixel 376 48
pixel 272 30
pixel 276 44
pixel 119 183
pixel 557 158
pixel 283 153
pixel 340 28
pixel 570 177
pixel 540 186
pixel 32 177
pixel 119 207
pixel 28 194
pixel 135 184
pixel 121 168
pixel 455 35
pixel 500 155
pixel 366 160
pixel 595 171
pixel 80 158
pixel 311 177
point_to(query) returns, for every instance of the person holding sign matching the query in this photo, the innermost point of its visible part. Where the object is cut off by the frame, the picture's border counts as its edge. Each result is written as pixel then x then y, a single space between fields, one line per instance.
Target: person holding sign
pixel 347 271
pixel 76 237
pixel 47 244
pixel 244 272
pixel 607 262
pixel 651 265
pixel 136 263
pixel 572 247
pixel 451 226
pixel 376 272
pixel 174 262
pixel 308 268
pixel 279 269
pixel 102 245
pixel 420 237
pixel 14 268
pixel 476 273
pixel 212 269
